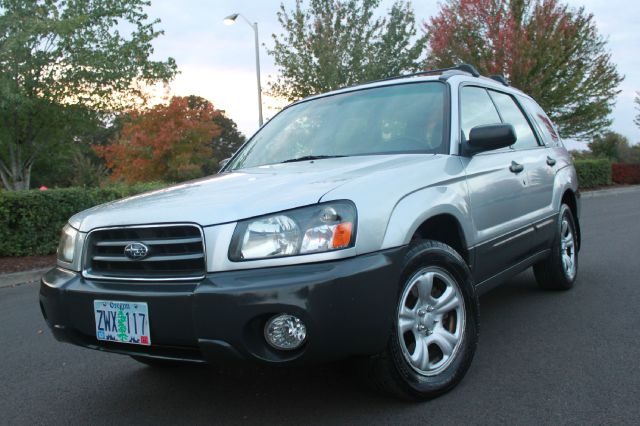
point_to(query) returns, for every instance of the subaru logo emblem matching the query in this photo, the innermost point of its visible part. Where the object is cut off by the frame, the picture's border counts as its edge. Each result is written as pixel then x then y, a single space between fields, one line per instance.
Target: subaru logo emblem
pixel 136 251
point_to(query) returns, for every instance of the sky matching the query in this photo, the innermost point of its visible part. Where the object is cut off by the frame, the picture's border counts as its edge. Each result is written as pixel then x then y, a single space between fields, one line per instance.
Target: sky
pixel 217 61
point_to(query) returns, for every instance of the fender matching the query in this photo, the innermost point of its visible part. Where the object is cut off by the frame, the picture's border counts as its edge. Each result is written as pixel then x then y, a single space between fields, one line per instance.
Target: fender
pixel 414 209
pixel 566 179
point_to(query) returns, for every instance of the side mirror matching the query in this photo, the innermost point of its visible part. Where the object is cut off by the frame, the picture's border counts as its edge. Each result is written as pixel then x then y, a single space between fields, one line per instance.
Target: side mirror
pixel 492 136
pixel 223 163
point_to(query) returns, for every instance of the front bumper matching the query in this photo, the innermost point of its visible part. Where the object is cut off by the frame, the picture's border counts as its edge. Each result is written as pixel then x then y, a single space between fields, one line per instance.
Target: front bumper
pixel 347 306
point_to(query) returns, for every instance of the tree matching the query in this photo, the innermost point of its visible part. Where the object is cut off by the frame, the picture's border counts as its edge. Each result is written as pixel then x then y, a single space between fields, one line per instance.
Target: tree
pixel 63 65
pixel 637 101
pixel 580 155
pixel 163 143
pixel 75 163
pixel 545 48
pixel 229 140
pixel 226 142
pixel 629 154
pixel 615 147
pixel 331 44
pixel 606 145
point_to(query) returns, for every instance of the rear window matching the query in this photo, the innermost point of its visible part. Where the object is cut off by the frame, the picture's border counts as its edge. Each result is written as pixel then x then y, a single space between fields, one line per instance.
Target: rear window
pixel 543 123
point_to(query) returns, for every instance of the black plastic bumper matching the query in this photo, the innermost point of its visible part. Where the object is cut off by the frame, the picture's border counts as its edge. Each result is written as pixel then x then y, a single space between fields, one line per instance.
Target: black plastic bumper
pixel 347 306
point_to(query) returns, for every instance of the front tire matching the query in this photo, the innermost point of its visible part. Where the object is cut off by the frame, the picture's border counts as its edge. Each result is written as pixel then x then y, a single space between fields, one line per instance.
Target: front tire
pixel 435 330
pixel 559 271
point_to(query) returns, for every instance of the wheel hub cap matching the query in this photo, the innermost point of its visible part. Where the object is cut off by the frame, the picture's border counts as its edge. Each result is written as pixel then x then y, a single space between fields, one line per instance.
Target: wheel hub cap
pixel 567 248
pixel 431 320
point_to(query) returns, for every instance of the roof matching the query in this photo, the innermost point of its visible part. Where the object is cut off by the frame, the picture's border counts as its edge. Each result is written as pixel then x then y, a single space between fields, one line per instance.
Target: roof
pixel 467 71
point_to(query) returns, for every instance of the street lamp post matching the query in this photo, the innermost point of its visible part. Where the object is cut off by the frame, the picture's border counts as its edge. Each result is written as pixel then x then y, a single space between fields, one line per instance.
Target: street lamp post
pixel 230 20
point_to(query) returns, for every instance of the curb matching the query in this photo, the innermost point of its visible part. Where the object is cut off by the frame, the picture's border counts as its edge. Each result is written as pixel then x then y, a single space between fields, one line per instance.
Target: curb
pixel 610 191
pixel 16 278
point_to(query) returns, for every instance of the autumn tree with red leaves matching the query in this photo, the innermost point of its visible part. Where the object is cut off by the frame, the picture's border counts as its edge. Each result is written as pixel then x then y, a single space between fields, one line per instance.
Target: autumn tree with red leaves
pixel 164 143
pixel 550 51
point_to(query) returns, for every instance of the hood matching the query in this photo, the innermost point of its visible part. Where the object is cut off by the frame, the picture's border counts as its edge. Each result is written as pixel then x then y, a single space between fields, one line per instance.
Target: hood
pixel 241 194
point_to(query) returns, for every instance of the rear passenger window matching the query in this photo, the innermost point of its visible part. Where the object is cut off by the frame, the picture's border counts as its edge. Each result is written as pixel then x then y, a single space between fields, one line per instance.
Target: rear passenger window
pixel 476 109
pixel 544 124
pixel 511 114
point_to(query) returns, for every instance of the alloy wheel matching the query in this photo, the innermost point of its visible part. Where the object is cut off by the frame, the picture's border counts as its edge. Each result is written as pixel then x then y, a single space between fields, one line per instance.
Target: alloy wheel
pixel 431 320
pixel 567 249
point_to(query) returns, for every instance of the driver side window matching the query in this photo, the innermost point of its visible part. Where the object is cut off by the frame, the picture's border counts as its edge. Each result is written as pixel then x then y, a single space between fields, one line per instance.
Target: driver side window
pixel 512 114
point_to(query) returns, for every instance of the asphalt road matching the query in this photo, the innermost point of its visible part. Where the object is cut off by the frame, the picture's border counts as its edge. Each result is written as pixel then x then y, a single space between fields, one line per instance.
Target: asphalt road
pixel 543 358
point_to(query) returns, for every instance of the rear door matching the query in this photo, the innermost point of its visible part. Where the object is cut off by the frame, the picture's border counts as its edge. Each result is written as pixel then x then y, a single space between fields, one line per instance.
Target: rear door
pixel 497 183
pixel 549 160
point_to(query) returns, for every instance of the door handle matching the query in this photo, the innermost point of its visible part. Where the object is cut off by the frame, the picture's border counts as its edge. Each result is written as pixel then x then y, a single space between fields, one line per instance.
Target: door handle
pixel 551 161
pixel 515 167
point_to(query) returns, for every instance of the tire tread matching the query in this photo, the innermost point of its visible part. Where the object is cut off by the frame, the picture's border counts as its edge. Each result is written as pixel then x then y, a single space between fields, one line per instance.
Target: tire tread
pixel 382 373
pixel 549 273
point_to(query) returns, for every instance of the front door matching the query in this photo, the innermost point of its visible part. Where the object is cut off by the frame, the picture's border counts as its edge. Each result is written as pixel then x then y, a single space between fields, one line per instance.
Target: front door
pixel 498 184
pixel 497 197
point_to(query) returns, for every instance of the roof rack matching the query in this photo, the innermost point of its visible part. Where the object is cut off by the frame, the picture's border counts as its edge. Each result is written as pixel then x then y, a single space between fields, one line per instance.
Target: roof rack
pixel 499 79
pixel 465 68
pixel 468 68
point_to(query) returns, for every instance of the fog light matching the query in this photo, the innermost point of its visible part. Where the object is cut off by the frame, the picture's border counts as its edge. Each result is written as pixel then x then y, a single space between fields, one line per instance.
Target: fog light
pixel 285 332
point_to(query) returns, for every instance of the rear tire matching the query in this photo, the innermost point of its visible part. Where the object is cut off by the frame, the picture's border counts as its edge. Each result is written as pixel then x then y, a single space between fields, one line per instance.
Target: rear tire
pixel 559 270
pixel 435 327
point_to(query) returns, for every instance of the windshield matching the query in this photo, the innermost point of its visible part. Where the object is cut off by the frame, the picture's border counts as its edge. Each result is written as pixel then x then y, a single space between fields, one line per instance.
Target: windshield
pixel 404 118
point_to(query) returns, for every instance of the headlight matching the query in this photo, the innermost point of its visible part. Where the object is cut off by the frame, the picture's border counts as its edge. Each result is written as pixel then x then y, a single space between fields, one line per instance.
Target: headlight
pixel 314 229
pixel 67 246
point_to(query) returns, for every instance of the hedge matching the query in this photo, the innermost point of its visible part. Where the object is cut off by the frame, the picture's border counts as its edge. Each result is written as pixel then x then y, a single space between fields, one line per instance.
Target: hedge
pixel 30 221
pixel 593 173
pixel 626 173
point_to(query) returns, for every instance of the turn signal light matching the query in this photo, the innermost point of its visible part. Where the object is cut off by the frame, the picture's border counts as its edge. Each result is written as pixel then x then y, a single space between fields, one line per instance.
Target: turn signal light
pixel 342 235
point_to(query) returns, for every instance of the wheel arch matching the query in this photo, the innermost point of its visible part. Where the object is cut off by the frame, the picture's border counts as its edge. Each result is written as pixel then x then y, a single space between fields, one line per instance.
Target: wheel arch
pixel 569 198
pixel 435 213
pixel 446 229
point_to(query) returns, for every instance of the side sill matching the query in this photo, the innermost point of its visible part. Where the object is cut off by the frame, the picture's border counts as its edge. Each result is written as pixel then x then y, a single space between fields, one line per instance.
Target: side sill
pixel 503 276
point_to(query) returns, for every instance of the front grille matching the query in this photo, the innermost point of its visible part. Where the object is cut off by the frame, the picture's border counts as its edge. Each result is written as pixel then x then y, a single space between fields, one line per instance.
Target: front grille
pixel 174 252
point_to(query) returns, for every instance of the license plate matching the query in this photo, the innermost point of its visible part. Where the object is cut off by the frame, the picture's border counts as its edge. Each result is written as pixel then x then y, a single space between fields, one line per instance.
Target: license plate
pixel 123 322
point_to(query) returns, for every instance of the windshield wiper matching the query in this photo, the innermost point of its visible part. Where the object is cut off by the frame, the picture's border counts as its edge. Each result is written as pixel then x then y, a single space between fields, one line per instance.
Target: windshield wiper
pixel 311 157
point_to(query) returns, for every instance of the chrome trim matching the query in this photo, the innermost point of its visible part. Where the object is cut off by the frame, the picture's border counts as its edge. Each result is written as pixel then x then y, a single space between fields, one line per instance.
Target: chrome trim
pixel 149 242
pixel 88 275
pixel 513 237
pixel 84 258
pixel 149 259
pixel 536 226
pixel 545 223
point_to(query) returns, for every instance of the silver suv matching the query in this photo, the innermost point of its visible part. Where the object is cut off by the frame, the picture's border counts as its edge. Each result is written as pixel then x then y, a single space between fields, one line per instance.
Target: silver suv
pixel 360 223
